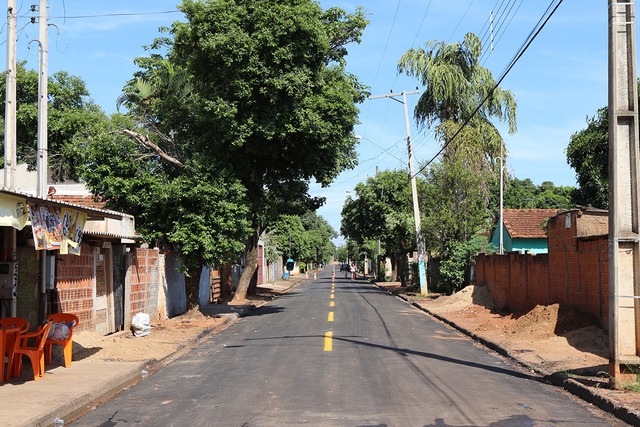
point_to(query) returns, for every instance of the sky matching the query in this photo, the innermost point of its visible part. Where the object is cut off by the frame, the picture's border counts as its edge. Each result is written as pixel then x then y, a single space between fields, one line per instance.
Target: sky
pixel 560 80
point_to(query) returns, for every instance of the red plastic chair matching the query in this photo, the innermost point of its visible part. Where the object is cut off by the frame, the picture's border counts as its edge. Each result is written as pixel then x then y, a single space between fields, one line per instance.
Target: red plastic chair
pixel 71 320
pixel 35 352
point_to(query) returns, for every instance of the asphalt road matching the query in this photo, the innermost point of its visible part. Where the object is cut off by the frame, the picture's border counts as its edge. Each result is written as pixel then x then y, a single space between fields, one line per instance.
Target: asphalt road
pixel 343 354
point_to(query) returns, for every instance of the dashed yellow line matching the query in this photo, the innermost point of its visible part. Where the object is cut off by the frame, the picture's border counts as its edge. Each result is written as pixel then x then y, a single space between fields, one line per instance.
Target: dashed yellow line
pixel 328 341
pixel 332 304
pixel 330 317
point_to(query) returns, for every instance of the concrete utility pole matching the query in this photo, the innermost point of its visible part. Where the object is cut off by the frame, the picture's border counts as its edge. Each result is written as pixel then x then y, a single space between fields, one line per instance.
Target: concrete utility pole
pixel 414 190
pixel 10 101
pixel 10 137
pixel 624 232
pixel 43 89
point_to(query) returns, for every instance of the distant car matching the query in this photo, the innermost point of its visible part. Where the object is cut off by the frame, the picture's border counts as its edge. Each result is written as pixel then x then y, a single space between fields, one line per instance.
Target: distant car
pixel 344 267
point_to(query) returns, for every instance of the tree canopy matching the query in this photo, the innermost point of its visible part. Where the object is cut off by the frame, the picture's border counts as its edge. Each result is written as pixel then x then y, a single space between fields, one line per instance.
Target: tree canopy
pixel 588 155
pixel 524 194
pixel 246 101
pixel 70 110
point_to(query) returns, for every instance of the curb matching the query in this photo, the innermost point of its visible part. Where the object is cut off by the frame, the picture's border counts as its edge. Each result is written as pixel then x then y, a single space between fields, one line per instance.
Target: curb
pixel 572 386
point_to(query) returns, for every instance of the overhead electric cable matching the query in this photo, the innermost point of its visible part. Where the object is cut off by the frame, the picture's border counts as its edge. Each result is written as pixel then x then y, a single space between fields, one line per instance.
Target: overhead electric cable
pixel 112 14
pixel 532 36
pixel 384 51
pixel 461 19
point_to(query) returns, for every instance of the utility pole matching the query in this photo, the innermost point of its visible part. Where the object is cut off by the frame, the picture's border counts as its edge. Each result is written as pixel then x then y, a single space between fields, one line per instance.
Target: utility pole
pixel 10 141
pixel 624 204
pixel 10 102
pixel 501 222
pixel 43 149
pixel 414 190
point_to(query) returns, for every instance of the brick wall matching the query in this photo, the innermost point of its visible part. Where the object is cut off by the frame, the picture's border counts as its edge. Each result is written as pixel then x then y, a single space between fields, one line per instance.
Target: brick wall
pixel 75 282
pixel 574 273
pixel 143 280
pixel 74 287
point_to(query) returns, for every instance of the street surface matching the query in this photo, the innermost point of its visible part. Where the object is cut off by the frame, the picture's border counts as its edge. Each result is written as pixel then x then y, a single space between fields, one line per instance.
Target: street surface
pixel 343 353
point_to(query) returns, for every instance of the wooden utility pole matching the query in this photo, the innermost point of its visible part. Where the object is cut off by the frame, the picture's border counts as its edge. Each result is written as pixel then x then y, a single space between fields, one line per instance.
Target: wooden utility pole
pixel 624 230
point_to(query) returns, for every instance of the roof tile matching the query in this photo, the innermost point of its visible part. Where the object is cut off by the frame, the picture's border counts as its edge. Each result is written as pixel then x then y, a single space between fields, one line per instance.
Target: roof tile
pixel 82 200
pixel 527 223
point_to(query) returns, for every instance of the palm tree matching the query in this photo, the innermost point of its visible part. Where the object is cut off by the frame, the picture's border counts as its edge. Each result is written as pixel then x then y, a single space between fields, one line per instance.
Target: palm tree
pixel 459 91
pixel 460 99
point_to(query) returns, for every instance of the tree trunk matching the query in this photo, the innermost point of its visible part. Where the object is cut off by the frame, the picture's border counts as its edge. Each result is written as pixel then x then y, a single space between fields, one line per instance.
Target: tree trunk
pixel 192 288
pixel 250 267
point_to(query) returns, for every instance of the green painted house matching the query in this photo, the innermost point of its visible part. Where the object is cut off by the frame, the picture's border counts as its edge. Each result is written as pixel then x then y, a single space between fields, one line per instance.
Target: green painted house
pixel 523 230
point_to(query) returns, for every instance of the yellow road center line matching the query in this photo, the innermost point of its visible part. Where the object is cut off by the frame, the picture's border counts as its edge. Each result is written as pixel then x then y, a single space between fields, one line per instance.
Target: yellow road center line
pixel 331 304
pixel 328 341
pixel 331 296
pixel 330 317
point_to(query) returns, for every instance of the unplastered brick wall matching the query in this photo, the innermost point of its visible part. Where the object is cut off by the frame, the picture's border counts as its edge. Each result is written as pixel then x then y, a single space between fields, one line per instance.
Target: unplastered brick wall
pixel 74 286
pixel 143 280
pixel 574 273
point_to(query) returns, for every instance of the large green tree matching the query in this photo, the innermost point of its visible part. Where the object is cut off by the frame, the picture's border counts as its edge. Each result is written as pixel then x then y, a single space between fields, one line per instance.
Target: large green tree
pixel 253 92
pixel 197 213
pixel 276 107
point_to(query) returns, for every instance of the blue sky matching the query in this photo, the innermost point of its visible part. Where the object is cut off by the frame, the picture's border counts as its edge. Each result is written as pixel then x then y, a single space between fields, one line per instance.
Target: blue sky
pixel 559 81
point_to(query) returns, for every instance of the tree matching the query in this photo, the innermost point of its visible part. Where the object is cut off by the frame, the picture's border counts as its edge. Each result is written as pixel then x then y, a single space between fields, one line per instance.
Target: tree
pixel 191 210
pixel 319 234
pixel 70 110
pixel 275 106
pixel 247 98
pixel 524 194
pixel 306 239
pixel 460 100
pixel 383 209
pixel 588 155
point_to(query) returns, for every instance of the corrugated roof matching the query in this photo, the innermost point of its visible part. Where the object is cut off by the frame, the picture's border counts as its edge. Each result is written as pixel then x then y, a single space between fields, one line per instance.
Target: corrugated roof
pixel 527 223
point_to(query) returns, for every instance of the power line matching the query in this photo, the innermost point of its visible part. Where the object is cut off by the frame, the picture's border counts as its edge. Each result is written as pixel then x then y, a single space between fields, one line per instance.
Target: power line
pixel 534 33
pixel 113 14
pixel 384 51
pixel 461 19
